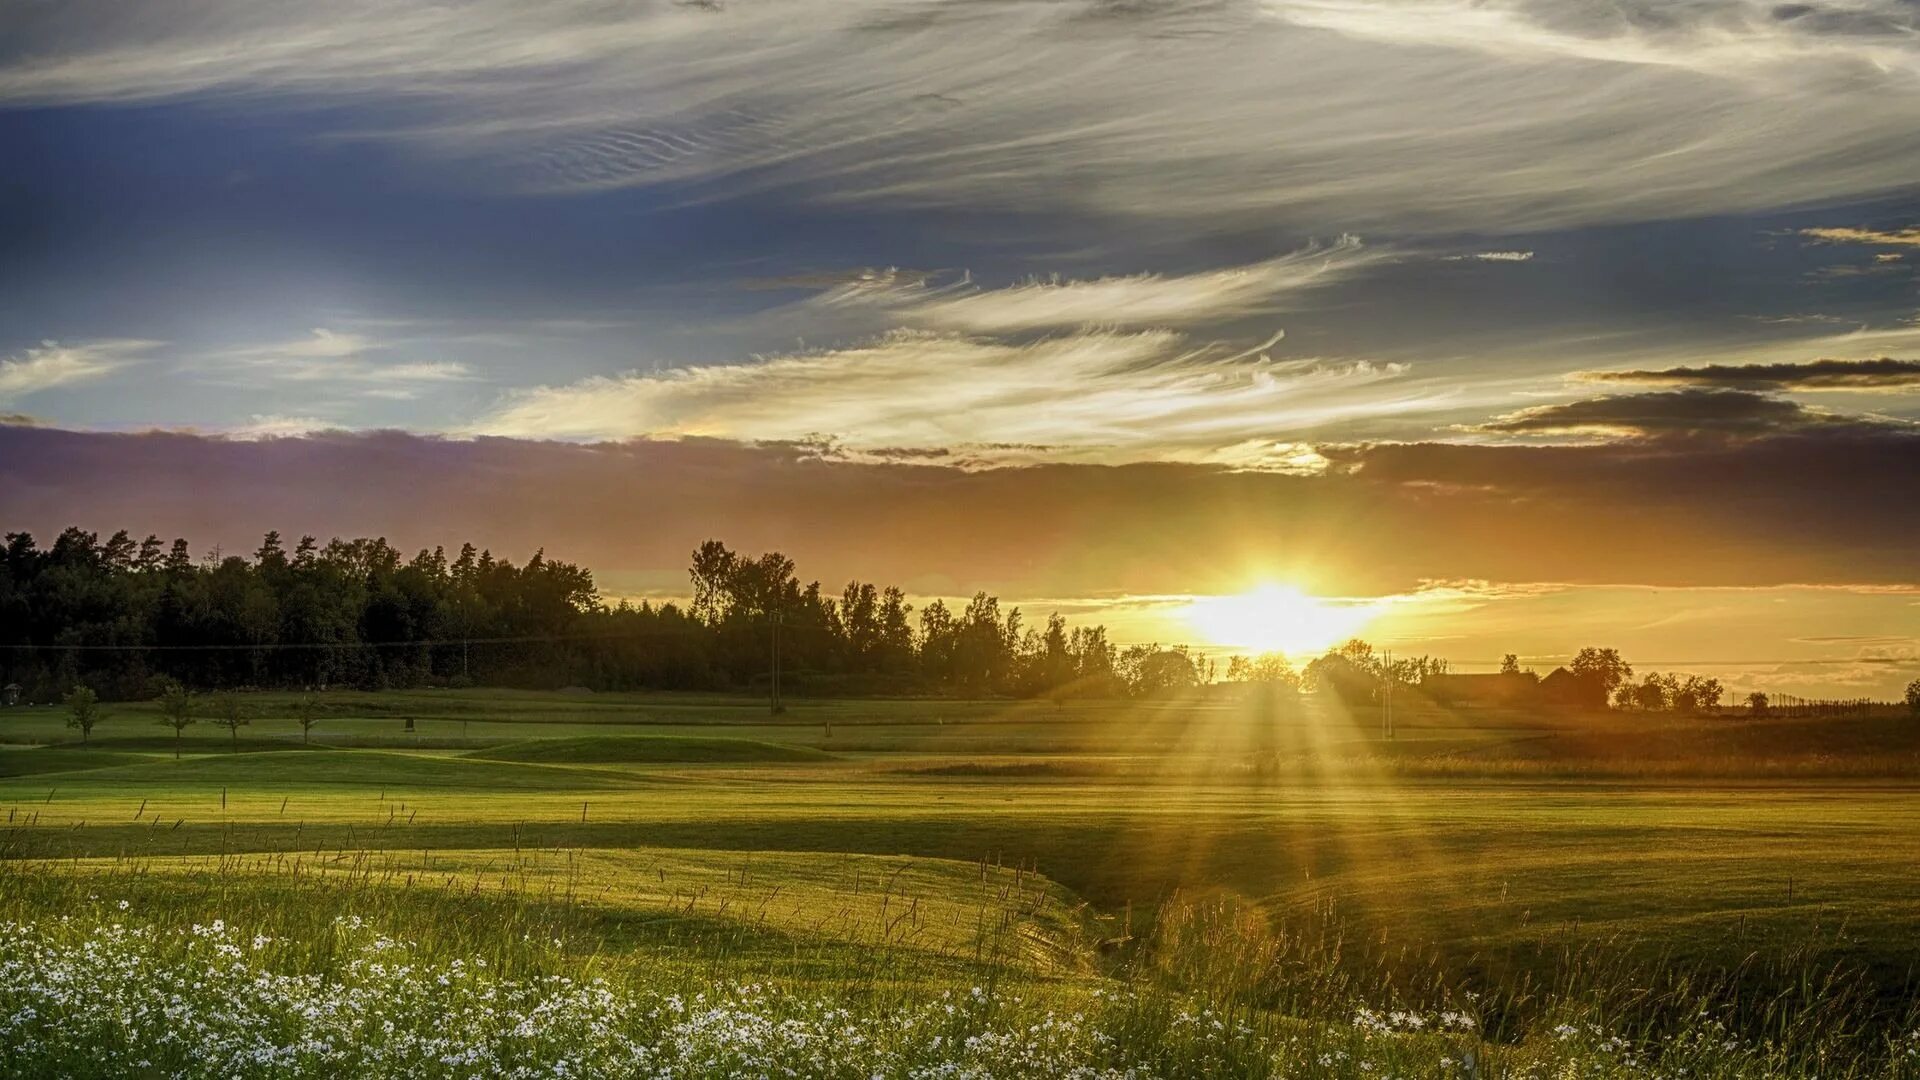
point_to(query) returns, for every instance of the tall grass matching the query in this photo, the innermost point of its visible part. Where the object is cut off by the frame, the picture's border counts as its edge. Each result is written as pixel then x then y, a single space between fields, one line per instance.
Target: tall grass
pixel 275 967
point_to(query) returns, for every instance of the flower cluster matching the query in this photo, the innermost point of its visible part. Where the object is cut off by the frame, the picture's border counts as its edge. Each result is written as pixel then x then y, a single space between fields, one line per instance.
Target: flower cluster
pixel 200 1001
pixel 209 1000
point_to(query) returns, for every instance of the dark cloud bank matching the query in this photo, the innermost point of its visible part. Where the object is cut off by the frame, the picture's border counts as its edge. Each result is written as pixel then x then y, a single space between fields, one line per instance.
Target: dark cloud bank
pixel 1879 373
pixel 1692 411
pixel 1817 505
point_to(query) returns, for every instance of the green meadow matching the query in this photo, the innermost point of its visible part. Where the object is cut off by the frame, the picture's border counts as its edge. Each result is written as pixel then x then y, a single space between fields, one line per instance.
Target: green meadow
pixel 1284 864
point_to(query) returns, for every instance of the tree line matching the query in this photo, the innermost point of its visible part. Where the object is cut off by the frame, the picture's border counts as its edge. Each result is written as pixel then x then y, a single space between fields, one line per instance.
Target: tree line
pixel 127 618
pixel 130 619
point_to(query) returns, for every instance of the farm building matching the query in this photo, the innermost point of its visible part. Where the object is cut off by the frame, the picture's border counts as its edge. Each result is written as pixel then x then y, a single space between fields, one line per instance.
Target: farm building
pixel 1563 688
pixel 1483 691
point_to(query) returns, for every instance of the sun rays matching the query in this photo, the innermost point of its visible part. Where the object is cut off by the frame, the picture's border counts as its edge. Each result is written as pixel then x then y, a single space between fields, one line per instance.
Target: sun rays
pixel 1275 617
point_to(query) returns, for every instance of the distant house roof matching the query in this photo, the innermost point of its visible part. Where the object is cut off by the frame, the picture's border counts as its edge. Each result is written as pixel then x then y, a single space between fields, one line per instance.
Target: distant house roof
pixel 1563 687
pixel 1498 688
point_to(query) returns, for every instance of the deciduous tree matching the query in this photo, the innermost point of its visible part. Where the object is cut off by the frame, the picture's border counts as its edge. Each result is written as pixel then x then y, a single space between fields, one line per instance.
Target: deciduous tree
pixel 176 710
pixel 83 710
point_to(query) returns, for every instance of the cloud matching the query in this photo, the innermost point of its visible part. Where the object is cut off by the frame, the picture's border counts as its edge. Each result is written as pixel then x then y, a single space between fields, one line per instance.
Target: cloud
pixel 320 344
pixel 1816 507
pixel 1878 374
pixel 51 364
pixel 1733 412
pixel 1805 319
pixel 862 278
pixel 1401 114
pixel 339 358
pixel 1098 395
pixel 1494 256
pixel 1909 237
pixel 18 420
pixel 277 426
pixel 1139 300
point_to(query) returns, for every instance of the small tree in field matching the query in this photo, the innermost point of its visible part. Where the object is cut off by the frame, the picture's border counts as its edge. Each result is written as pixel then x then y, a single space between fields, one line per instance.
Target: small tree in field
pixel 307 712
pixel 1757 703
pixel 176 711
pixel 229 713
pixel 83 710
pixel 1913 697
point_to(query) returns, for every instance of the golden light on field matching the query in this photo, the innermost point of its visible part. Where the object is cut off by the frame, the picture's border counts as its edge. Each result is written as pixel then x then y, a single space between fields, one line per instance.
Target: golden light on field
pixel 1274 617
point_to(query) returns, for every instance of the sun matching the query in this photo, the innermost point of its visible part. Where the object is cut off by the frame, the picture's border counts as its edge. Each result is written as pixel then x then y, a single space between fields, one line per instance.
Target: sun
pixel 1274 618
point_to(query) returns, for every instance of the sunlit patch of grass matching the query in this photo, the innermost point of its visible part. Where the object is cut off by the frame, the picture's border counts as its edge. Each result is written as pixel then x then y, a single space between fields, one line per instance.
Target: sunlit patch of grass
pixel 649 749
pixel 938 910
pixel 356 768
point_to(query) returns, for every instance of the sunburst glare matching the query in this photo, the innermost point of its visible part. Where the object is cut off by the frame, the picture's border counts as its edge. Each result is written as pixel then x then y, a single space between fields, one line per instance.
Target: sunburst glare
pixel 1275 617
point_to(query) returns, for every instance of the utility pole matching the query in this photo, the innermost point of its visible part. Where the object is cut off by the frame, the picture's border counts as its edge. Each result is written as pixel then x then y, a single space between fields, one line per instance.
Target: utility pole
pixel 1386 697
pixel 778 618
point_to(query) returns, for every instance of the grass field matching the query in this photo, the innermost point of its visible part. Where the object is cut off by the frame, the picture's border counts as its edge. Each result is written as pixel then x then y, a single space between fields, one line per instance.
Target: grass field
pixel 1126 863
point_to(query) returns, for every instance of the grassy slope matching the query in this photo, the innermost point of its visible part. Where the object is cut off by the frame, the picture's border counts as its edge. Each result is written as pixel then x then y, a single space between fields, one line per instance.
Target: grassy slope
pixel 762 908
pixel 649 749
pixel 1131 804
pixel 18 762
pixel 259 771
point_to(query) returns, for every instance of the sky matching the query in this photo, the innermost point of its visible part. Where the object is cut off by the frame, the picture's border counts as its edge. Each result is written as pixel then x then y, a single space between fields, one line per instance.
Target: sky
pixel 1497 325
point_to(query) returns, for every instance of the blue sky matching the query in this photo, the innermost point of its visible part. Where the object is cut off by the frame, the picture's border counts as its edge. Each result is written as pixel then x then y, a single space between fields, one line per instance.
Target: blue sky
pixel 1229 236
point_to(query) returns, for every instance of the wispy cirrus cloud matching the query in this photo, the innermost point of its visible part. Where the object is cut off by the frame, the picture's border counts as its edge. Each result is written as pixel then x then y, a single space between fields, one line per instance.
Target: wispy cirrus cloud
pixel 340 359
pixel 1099 394
pixel 1128 301
pixel 1494 257
pixel 1426 114
pixel 1908 237
pixel 52 364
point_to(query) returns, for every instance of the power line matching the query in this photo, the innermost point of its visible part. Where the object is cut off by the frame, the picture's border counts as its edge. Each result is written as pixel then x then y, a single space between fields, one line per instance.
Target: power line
pixel 1730 663
pixel 526 639
pixel 296 645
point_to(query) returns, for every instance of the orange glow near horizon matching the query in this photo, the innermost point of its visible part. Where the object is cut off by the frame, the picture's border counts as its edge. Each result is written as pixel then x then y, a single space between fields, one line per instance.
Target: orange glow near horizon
pixel 1275 617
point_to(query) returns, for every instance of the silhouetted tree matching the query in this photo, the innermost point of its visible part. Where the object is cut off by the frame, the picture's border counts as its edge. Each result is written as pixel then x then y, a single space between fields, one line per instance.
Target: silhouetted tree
pixel 1655 692
pixel 1600 669
pixel 1697 693
pixel 1150 670
pixel 1267 669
